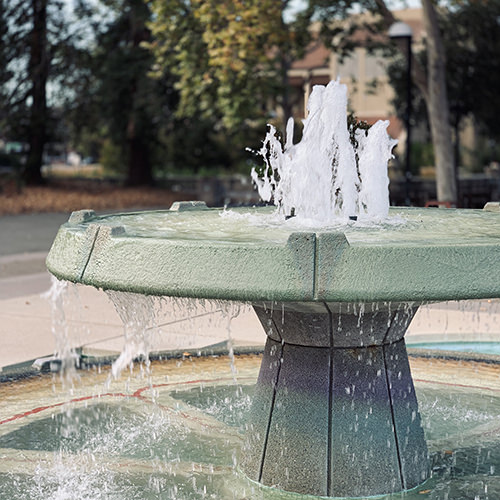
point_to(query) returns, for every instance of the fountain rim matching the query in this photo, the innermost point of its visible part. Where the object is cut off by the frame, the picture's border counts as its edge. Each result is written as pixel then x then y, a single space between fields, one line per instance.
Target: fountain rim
pixel 86 361
pixel 309 266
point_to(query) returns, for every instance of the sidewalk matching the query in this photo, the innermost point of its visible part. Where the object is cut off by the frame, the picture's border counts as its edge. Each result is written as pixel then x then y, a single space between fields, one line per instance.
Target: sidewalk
pixel 94 326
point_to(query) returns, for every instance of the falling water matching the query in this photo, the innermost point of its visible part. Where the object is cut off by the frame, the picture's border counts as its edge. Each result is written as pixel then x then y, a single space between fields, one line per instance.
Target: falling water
pixel 169 323
pixel 334 172
pixel 139 321
pixel 63 297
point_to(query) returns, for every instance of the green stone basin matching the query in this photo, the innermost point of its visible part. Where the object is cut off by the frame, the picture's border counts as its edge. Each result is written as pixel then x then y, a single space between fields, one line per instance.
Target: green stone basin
pixel 245 254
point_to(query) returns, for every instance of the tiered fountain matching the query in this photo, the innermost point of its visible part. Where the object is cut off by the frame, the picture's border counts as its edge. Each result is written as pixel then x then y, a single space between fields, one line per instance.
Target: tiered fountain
pixel 334 286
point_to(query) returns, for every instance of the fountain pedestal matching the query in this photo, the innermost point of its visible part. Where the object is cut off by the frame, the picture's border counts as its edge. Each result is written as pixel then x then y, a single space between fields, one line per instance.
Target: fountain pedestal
pixel 335 411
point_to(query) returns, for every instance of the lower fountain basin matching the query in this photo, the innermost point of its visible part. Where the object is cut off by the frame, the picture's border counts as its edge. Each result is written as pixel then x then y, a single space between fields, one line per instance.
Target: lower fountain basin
pixel 106 451
pixel 465 346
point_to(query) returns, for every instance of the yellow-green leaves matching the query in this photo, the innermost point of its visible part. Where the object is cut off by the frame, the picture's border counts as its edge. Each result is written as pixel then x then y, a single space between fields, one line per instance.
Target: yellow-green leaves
pixel 223 52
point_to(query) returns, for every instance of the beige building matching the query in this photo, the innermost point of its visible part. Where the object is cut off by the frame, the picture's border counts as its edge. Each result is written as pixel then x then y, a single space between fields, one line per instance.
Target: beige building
pixel 370 93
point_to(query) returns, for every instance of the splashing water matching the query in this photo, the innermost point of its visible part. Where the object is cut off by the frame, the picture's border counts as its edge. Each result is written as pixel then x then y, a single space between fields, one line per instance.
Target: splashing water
pixel 330 174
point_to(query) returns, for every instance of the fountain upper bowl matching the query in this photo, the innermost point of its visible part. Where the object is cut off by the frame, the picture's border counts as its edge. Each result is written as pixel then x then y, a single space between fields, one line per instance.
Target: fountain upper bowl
pixel 192 251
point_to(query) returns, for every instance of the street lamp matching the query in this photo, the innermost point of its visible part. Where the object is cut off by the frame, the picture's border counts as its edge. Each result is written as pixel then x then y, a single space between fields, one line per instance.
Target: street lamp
pixel 401 31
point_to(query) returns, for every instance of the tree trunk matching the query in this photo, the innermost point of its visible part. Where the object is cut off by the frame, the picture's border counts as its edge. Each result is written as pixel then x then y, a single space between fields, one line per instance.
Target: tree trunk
pixel 139 171
pixel 38 73
pixel 438 107
pixel 139 162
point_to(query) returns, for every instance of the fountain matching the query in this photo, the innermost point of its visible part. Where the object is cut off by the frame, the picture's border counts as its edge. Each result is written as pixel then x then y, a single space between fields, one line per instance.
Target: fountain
pixel 334 410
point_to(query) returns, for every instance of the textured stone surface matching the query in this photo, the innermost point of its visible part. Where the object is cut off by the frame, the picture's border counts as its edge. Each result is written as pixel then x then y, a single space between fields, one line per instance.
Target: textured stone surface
pixel 363 445
pixel 81 216
pixel 338 421
pixel 71 252
pixel 265 315
pixel 402 314
pixel 492 206
pixel 319 324
pixel 368 324
pixel 414 274
pixel 182 206
pixel 293 327
pixel 298 431
pixel 185 268
pixel 262 407
pixel 413 452
pixel 435 255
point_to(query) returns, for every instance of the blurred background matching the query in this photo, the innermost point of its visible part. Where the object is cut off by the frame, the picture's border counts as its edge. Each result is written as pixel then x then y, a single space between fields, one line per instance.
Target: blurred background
pixel 116 103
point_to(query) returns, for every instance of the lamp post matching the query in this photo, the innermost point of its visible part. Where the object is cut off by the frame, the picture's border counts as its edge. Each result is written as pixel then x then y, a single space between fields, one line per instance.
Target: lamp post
pixel 402 31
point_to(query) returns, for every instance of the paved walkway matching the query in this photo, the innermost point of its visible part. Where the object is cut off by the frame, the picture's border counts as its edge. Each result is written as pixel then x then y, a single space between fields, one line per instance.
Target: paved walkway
pixel 93 325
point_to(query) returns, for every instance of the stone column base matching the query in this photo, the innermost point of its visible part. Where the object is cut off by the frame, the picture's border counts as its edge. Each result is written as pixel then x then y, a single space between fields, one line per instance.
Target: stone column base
pixel 335 421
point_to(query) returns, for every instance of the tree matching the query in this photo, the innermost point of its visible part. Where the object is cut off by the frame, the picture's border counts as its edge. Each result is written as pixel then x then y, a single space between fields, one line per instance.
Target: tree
pixel 125 93
pixel 472 40
pixel 34 36
pixel 432 85
pixel 213 49
pixel 230 57
pixel 438 109
pixel 117 110
pixel 38 74
pixel 6 51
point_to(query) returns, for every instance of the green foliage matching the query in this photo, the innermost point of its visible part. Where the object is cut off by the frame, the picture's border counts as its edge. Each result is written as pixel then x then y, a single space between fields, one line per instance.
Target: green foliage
pixel 229 61
pixel 487 153
pixel 112 158
pixel 9 160
pixel 184 149
pixel 37 41
pixel 194 145
pixel 422 155
pixel 472 35
pixel 347 24
pixel 397 73
pixel 353 125
pixel 117 100
pixel 228 56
